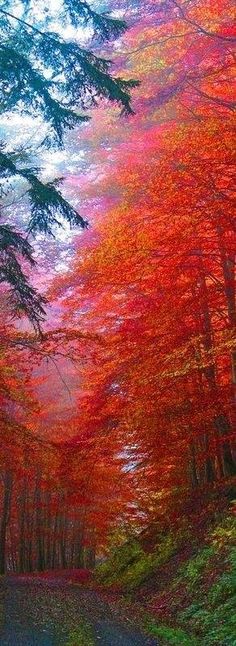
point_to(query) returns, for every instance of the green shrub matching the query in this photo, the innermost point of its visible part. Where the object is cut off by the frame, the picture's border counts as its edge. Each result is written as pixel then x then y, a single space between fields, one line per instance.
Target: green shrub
pixel 206 582
pixel 224 588
pixel 225 533
pixel 212 614
pixel 216 626
pixel 232 560
pixel 173 636
pixel 121 558
pixel 219 626
pixel 196 567
pixel 189 612
pixel 129 565
pixel 147 564
pixel 137 572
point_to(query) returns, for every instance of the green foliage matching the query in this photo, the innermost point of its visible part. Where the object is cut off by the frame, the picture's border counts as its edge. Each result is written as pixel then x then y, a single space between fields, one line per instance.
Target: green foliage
pixel 129 565
pixel 225 533
pixel 195 568
pixel 210 581
pixel 47 75
pixel 23 298
pixel 147 564
pixel 138 572
pixel 199 598
pixel 224 588
pixel 104 25
pixel 214 626
pixel 174 636
pixel 121 559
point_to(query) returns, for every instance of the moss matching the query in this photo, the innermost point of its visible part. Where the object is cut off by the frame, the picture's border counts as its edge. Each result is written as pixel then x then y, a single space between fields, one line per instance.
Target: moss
pixel 120 560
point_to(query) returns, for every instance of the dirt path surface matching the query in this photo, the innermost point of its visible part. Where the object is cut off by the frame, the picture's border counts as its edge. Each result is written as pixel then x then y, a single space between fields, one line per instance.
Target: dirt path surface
pixel 54 612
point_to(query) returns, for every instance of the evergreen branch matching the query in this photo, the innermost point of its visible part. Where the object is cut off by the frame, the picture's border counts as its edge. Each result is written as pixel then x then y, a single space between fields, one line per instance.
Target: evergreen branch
pixel 44 75
pixel 84 72
pixel 30 87
pixel 9 238
pixel 103 24
pixel 46 200
pixel 79 11
pixel 23 298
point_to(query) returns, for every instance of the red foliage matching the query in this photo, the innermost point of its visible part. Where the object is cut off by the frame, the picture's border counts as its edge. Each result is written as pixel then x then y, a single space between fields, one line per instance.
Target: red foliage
pixel 149 306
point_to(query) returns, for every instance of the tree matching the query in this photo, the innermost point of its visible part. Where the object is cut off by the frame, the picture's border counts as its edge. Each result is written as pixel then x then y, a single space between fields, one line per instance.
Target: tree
pixel 157 276
pixel 47 76
pixel 151 437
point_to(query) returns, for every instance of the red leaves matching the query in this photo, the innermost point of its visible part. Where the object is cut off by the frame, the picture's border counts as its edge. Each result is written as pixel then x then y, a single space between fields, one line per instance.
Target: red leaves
pixel 149 304
pixel 153 276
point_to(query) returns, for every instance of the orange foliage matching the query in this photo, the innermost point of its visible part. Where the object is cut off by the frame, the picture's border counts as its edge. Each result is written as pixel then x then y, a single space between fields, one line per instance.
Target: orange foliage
pixel 156 278
pixel 149 305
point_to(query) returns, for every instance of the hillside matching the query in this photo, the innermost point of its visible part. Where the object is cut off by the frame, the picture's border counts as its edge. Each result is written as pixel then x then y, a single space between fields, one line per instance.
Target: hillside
pixel 184 591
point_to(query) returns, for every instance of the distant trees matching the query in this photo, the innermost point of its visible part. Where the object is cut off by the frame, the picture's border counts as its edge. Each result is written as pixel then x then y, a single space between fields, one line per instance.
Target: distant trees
pixel 58 502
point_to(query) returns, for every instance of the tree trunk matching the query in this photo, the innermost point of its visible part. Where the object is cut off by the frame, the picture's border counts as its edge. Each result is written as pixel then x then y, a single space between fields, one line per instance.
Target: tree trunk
pixel 7 493
pixel 226 465
pixel 228 262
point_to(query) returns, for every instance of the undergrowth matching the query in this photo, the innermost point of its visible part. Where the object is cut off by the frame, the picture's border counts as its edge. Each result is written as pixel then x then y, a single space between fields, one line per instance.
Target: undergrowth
pixel 201 598
pixel 195 605
pixel 129 566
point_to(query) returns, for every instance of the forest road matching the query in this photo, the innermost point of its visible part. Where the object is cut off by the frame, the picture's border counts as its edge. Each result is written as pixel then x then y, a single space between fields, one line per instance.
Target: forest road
pixel 55 613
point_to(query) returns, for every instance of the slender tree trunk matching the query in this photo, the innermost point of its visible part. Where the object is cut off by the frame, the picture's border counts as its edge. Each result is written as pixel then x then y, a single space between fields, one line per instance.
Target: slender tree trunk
pixel 7 494
pixel 193 466
pixel 48 530
pixel 63 528
pixel 21 516
pixel 55 539
pixel 39 523
pixel 209 371
pixel 226 465
pixel 228 262
pixel 79 552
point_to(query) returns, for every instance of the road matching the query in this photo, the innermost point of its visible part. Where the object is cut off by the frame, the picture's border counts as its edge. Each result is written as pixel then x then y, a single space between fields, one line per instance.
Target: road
pixel 54 613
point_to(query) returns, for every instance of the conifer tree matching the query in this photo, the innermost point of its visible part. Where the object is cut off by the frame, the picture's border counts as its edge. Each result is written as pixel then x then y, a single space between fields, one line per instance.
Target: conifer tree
pixel 44 75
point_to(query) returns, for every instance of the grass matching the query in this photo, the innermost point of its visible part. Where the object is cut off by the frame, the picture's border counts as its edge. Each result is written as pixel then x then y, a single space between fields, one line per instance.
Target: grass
pixel 81 636
pixel 172 636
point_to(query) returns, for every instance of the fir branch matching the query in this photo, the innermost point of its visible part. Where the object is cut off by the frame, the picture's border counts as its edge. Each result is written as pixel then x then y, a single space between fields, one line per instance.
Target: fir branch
pixel 45 199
